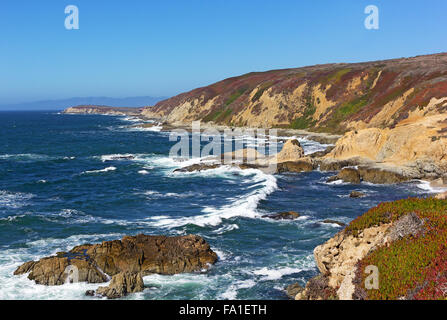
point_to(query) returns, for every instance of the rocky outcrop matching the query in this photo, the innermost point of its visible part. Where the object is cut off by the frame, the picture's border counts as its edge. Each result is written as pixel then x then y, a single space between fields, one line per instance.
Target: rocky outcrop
pixel 133 254
pixel 291 151
pixel 330 221
pixel 104 110
pixel 304 165
pixel 287 215
pixel 121 285
pixel 350 175
pixel 293 289
pixel 442 196
pixel 356 194
pixel 373 174
pixel 337 258
pixel 198 167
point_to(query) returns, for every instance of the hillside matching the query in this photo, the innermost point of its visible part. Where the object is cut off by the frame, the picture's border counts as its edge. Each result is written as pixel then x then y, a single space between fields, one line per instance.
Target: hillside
pixel 392 112
pixel 328 98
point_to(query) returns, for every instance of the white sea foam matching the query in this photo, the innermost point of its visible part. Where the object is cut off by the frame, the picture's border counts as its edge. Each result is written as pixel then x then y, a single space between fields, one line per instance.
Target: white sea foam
pixel 14 200
pixel 143 172
pixel 232 291
pixel 426 187
pixel 100 170
pixel 226 228
pixel 243 206
pixel 305 263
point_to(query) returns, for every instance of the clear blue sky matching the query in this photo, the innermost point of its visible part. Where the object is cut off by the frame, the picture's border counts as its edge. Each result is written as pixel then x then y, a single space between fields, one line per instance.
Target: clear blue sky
pixel 161 48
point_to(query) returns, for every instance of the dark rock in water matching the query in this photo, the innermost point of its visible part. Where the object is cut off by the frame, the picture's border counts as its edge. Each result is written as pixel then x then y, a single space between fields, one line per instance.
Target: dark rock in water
pixel 319 154
pixel 295 166
pixel 356 194
pixel 90 293
pixel 121 285
pixel 288 215
pixel 332 179
pixel 349 175
pixel 198 167
pixel 293 289
pixel 134 254
pixel 336 165
pixel 123 157
pixel 379 175
pixel 244 166
pixel 329 221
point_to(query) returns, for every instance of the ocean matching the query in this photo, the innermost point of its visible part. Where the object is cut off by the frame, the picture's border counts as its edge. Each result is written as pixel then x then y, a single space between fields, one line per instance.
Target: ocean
pixel 66 180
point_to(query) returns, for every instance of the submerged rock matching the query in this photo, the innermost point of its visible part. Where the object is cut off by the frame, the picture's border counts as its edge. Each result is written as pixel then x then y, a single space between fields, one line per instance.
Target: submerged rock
pixel 287 215
pixel 329 221
pixel 356 194
pixel 135 254
pixel 198 167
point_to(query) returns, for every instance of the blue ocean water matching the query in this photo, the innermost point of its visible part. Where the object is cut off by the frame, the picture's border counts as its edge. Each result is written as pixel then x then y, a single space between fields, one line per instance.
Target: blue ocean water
pixel 72 179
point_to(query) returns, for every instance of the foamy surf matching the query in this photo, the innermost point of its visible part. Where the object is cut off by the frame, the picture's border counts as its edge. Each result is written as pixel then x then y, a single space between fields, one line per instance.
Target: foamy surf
pixel 243 206
pixel 428 188
pixel 108 169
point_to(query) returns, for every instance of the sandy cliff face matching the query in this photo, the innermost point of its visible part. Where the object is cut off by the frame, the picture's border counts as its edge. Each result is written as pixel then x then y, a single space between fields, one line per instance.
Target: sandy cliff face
pixel 330 98
pixel 392 111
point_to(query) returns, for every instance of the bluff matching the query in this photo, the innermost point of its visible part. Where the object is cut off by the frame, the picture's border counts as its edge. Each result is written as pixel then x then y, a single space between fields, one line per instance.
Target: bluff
pixel 392 111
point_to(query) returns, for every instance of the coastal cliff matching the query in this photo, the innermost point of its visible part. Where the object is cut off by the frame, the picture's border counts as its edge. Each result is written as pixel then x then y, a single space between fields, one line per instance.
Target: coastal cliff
pixel 391 112
pixel 405 241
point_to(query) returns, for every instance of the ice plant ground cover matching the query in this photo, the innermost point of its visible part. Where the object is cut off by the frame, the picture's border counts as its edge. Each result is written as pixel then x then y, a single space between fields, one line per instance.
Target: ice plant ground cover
pixel 414 266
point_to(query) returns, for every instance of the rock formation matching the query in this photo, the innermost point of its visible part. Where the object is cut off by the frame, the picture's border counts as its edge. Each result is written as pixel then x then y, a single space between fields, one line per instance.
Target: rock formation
pixel 141 254
pixel 390 227
pixel 287 215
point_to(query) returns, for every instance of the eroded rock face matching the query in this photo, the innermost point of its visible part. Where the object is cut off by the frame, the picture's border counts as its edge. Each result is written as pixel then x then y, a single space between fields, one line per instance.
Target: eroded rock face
pixel 121 285
pixel 295 166
pixel 381 176
pixel 135 254
pixel 338 256
pixel 291 151
pixel 350 175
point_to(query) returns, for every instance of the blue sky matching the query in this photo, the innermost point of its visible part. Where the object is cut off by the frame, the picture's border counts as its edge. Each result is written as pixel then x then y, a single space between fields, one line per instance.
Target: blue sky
pixel 161 48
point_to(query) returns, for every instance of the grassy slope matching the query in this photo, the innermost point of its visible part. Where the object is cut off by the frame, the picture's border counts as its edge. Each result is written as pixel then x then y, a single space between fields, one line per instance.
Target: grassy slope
pixel 427 75
pixel 413 267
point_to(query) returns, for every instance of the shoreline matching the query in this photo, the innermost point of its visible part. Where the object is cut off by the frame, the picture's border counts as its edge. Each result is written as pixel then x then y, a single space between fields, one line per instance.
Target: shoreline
pixel 408 172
